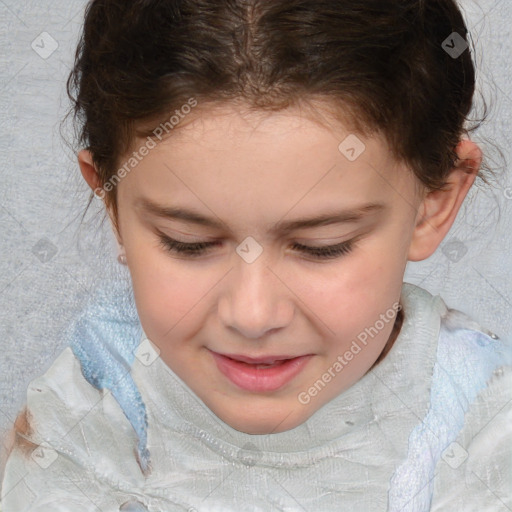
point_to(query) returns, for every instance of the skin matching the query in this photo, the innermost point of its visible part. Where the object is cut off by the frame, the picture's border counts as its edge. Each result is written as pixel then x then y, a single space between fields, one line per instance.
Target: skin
pixel 251 171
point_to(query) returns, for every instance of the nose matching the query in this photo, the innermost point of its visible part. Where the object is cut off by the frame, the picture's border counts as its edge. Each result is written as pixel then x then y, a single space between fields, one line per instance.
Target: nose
pixel 255 300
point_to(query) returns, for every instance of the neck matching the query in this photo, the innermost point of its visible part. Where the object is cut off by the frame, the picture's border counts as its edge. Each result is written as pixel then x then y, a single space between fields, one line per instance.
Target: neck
pixel 397 326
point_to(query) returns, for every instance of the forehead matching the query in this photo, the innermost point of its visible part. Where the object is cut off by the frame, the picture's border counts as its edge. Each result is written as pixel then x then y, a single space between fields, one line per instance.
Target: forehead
pixel 239 113
pixel 288 132
pixel 263 160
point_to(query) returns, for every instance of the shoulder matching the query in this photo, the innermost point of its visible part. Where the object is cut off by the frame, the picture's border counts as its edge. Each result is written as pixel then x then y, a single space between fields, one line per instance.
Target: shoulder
pixel 474 471
pixel 69 416
pixel 48 392
pixel 470 353
pixel 61 397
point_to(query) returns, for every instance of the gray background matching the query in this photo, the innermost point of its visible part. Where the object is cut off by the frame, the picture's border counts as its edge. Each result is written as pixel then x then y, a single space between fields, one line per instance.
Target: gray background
pixel 49 263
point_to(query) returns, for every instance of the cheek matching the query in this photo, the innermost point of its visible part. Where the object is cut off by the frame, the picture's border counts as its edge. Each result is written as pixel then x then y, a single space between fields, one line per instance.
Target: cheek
pixel 376 267
pixel 166 293
pixel 353 294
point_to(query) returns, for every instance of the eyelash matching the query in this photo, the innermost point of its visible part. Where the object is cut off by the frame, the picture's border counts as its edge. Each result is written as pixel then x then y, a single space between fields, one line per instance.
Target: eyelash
pixel 198 249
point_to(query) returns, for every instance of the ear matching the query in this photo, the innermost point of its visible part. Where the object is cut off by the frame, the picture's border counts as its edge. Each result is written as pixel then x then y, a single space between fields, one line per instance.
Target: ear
pixel 92 177
pixel 439 208
pixel 88 170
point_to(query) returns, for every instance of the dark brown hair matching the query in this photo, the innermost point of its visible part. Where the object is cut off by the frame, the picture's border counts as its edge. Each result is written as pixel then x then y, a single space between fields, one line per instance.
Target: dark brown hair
pixel 381 65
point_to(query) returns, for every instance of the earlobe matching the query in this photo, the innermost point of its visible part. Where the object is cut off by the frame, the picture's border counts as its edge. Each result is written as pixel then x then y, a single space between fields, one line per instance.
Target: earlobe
pixel 438 210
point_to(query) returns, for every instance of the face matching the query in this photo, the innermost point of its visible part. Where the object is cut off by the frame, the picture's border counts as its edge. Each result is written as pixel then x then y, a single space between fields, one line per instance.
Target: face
pixel 251 274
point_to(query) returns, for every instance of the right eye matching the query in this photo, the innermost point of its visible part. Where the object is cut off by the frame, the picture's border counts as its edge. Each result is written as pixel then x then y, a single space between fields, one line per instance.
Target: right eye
pixel 189 249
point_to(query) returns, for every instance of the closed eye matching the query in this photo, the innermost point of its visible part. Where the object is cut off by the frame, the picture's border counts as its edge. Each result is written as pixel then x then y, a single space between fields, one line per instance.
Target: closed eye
pixel 198 249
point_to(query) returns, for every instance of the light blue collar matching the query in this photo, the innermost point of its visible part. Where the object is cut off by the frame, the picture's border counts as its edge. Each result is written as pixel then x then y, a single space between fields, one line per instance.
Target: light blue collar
pixel 105 338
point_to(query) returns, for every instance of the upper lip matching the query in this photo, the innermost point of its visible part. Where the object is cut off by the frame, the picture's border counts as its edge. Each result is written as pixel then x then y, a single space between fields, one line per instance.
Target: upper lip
pixel 258 360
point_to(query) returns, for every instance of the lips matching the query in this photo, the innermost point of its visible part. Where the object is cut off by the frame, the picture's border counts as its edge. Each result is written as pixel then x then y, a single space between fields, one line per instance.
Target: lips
pixel 262 374
pixel 258 360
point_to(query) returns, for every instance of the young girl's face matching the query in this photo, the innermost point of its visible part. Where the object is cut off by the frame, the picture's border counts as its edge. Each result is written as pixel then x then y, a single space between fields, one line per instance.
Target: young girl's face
pixel 253 187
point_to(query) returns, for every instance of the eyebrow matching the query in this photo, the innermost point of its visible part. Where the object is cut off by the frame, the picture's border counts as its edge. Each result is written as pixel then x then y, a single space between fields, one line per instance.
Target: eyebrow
pixel 281 228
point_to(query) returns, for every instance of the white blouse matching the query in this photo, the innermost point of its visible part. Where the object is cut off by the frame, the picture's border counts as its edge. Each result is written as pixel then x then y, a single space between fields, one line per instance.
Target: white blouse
pixel 429 428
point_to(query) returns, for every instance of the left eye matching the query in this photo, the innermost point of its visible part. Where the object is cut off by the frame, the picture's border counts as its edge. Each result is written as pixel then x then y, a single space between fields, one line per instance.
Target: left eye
pixel 199 248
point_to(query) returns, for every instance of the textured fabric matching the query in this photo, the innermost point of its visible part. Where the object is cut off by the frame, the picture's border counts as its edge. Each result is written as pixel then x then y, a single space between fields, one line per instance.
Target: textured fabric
pixel 432 416
pixel 465 362
pixel 104 339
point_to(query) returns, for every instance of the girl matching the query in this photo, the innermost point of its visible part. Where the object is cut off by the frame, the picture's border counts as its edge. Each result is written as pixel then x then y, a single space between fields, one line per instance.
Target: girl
pixel 269 168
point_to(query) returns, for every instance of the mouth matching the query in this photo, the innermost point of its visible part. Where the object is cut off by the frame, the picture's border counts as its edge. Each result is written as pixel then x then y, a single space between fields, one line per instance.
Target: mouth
pixel 268 373
pixel 266 360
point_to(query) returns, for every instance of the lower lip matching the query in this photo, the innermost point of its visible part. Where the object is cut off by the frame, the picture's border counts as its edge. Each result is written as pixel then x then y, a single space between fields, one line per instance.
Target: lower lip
pixel 250 378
